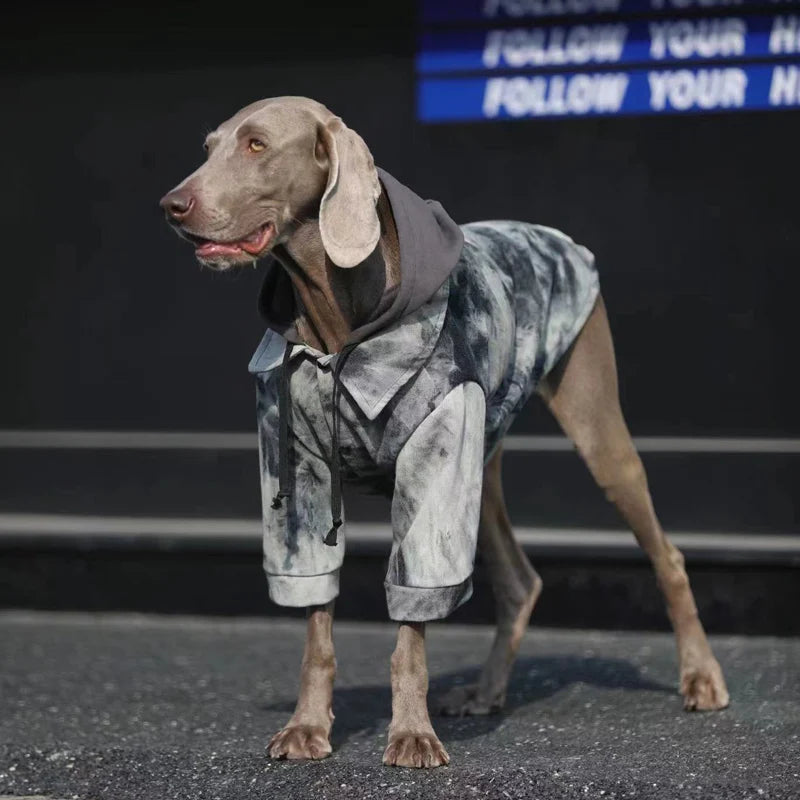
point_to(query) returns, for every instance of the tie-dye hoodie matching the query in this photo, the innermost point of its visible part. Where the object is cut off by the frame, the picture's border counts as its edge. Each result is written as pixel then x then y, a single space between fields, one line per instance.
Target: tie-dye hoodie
pixel 439 372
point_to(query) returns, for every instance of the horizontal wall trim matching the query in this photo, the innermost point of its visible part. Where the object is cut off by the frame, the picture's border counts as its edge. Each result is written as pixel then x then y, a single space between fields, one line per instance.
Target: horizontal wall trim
pixel 208 440
pixel 68 526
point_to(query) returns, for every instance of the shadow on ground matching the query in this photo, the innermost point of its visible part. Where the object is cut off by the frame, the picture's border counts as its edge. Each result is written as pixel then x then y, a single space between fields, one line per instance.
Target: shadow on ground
pixel 362 709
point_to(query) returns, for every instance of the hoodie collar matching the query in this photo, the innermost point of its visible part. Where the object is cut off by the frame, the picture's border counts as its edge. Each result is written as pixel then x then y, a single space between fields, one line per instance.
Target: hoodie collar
pixel 381 365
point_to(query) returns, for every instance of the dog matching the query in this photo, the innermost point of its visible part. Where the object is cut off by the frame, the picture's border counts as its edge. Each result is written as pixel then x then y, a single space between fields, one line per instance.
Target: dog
pixel 399 348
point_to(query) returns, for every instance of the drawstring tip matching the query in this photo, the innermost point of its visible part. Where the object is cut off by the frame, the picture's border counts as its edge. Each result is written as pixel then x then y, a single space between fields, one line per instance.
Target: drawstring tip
pixel 331 538
pixel 276 501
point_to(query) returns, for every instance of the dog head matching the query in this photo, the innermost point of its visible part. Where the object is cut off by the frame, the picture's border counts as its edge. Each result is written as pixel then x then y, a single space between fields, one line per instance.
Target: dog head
pixel 274 164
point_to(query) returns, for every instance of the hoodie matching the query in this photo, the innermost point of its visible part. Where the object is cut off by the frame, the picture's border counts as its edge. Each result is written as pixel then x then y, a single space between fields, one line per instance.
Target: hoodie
pixel 415 402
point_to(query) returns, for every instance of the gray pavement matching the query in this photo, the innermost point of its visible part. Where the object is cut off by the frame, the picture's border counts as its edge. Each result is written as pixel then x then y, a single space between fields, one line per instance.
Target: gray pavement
pixel 111 707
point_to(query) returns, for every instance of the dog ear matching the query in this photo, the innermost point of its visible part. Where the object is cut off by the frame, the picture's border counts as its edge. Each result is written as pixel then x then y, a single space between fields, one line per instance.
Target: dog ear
pixel 348 219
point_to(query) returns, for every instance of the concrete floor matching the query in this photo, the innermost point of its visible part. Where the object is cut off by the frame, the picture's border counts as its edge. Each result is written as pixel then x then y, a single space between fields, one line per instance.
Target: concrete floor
pixel 111 707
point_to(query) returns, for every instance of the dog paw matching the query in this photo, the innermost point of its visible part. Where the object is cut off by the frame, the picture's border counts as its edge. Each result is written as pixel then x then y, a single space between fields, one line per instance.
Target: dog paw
pixel 421 750
pixel 300 741
pixel 466 701
pixel 703 687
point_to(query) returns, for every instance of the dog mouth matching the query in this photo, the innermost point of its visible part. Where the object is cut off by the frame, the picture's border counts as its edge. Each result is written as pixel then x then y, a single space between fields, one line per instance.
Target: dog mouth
pixel 250 246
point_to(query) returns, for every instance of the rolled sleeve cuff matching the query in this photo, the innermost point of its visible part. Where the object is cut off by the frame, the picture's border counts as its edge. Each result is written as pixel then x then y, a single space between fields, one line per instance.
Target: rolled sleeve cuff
pixel 305 590
pixel 422 604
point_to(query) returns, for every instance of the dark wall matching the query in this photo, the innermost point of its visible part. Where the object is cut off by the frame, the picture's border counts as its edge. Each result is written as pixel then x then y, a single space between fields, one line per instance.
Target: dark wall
pixel 107 322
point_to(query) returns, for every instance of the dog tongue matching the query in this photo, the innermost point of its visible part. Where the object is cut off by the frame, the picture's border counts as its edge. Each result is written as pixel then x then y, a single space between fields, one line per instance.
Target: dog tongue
pixel 217 249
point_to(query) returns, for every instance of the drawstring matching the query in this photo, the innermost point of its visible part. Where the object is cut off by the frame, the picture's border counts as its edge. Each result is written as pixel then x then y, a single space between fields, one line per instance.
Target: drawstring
pixel 283 431
pixel 336 467
pixel 283 441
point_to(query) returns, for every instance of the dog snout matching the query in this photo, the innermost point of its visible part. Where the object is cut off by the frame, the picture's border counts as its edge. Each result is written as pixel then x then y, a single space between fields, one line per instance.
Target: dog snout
pixel 177 204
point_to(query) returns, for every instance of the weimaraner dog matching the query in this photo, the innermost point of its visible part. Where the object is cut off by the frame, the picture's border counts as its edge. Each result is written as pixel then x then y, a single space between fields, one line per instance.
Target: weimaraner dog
pixel 350 386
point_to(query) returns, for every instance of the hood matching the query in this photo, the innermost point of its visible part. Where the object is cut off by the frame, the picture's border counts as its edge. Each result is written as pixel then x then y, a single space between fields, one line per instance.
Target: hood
pixel 430 246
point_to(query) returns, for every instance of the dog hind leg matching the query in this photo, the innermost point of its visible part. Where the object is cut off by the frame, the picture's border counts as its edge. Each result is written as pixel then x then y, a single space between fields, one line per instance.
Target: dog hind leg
pixel 516 586
pixel 582 394
pixel 307 733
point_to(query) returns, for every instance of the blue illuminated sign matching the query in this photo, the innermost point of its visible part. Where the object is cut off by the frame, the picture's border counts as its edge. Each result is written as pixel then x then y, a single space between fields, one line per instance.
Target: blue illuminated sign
pixel 454 11
pixel 659 40
pixel 663 91
pixel 520 64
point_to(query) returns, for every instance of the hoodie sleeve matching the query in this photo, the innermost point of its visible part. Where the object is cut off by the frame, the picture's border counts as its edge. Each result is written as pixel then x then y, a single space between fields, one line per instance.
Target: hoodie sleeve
pixel 301 569
pixel 435 509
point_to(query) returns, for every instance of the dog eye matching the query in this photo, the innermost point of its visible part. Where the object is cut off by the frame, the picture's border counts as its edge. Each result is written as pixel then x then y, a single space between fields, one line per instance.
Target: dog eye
pixel 255 145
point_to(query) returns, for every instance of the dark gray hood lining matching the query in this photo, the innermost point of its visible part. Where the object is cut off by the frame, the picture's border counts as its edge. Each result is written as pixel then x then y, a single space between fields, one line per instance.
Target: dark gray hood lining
pixel 430 246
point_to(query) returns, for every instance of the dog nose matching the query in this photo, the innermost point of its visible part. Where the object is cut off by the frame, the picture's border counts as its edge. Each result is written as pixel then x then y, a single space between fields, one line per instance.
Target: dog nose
pixel 177 204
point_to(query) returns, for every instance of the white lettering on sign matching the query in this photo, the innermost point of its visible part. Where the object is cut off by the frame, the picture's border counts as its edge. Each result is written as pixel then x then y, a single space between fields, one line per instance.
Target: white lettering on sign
pixel 547 8
pixel 704 38
pixel 785 35
pixel 785 87
pixel 578 44
pixel 554 95
pixel 704 88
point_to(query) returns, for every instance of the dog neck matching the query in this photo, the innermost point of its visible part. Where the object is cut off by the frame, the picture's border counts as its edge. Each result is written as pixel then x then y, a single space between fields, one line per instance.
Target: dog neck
pixel 332 302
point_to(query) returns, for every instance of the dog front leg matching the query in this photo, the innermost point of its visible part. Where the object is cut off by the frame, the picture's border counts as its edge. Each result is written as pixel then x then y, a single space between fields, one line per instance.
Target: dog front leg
pixel 412 740
pixel 435 511
pixel 306 735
